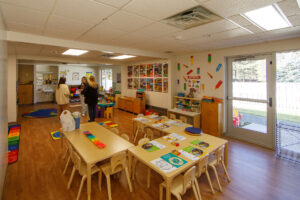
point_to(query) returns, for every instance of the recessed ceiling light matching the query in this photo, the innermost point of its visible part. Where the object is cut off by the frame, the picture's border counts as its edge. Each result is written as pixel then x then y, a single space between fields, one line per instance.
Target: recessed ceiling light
pixel 268 18
pixel 298 1
pixel 122 57
pixel 74 52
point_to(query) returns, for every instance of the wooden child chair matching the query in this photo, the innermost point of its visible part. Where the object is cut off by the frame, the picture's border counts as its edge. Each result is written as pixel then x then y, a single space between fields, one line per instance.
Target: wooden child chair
pixel 69 153
pixel 117 164
pixel 82 169
pixel 125 136
pixel 148 133
pixel 183 119
pixel 181 183
pixel 109 113
pixel 115 130
pixel 215 160
pixel 172 116
pixel 139 129
pixel 203 168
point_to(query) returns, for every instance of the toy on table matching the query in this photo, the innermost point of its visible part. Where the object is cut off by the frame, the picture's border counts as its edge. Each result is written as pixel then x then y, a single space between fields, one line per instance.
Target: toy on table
pixel 108 124
pixel 175 152
pixel 95 140
pixel 193 131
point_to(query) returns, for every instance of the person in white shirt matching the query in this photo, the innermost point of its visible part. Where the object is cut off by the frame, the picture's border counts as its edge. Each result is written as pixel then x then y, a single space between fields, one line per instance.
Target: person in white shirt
pixel 62 95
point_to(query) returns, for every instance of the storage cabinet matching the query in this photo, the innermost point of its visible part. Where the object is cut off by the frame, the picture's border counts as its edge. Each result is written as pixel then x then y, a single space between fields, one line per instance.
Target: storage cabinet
pixel 212 118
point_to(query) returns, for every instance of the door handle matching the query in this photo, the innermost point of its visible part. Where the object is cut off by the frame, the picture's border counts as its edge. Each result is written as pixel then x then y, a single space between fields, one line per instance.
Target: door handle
pixel 270 101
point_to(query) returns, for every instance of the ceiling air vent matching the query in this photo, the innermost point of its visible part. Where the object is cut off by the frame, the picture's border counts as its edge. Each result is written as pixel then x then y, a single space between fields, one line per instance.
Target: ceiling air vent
pixel 193 17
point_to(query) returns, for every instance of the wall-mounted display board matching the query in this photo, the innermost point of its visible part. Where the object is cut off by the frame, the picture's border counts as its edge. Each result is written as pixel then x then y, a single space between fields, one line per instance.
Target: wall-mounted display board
pixel 150 77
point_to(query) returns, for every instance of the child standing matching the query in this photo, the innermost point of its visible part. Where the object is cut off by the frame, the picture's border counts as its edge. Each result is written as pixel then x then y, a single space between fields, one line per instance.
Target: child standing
pixel 82 88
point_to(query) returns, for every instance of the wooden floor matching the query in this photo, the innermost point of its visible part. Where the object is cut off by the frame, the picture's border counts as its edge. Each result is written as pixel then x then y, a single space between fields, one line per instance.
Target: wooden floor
pixel 37 175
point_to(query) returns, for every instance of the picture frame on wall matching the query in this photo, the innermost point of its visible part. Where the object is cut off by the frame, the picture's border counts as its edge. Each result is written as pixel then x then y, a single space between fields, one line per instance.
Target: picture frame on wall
pixel 150 70
pixel 136 71
pixel 149 84
pixel 158 70
pixel 75 76
pixel 136 82
pixel 143 71
pixel 165 85
pixel 143 84
pixel 158 85
pixel 165 69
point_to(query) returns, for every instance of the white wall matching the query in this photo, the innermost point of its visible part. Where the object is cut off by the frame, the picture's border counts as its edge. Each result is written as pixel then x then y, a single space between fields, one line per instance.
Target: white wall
pixel 3 106
pixel 81 69
pixel 158 99
pixel 12 88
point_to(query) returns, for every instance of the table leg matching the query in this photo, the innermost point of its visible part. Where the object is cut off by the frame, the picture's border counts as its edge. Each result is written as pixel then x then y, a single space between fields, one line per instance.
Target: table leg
pixel 168 188
pixel 89 181
pixel 61 140
pixel 226 154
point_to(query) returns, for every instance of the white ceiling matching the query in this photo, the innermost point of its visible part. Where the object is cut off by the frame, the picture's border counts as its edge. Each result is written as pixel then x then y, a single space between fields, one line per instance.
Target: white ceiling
pixel 138 23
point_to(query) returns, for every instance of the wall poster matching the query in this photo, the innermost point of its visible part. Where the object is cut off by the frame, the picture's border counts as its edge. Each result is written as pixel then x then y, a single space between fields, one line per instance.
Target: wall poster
pixel 149 84
pixel 143 84
pixel 158 85
pixel 130 83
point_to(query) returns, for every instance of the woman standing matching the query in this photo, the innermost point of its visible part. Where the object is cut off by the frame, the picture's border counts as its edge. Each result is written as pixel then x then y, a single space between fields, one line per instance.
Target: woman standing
pixel 82 88
pixel 91 97
pixel 62 95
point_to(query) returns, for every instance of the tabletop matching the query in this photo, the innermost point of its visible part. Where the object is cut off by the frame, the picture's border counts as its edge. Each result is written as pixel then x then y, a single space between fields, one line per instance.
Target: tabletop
pixel 89 152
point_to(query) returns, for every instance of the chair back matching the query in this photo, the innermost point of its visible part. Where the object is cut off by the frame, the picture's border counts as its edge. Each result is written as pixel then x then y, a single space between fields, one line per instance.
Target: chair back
pixel 140 126
pixel 172 116
pixel 149 133
pixel 202 164
pixel 183 119
pixel 143 141
pixel 140 115
pixel 118 162
pixel 220 154
pixel 188 179
pixel 115 130
pixel 125 136
pixel 76 160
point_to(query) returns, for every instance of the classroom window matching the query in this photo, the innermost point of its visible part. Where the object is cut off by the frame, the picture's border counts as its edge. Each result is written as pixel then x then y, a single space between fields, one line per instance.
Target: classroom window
pixel 106 78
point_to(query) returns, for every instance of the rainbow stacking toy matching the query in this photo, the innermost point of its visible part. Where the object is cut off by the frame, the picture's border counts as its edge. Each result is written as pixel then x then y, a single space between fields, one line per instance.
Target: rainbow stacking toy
pixel 13 143
pixel 95 140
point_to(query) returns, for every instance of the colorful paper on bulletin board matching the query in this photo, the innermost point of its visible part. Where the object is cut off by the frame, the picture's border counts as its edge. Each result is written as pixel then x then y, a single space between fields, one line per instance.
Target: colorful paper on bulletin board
pixel 209 58
pixel 136 83
pixel 184 86
pixel 194 77
pixel 184 78
pixel 203 87
pixel 88 74
pixel 158 85
pixel 189 72
pixel 149 84
pixel 165 85
pixel 129 83
pixel 62 74
pixel 136 71
pixel 219 84
pixel 192 60
pixel 211 76
pixel 165 69
pixel 186 66
pixel 198 70
pixel 218 67
pixel 178 66
pixel 178 81
pixel 174 160
pixel 143 83
pixel 129 71
pixel 150 70
pixel 158 70
pixel 143 71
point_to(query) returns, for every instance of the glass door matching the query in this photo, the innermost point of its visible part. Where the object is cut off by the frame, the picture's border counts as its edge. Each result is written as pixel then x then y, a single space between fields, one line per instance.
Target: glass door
pixel 251 85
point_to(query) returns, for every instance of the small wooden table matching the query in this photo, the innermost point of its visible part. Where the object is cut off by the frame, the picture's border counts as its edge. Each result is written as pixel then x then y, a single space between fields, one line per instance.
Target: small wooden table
pixel 146 157
pixel 194 115
pixel 89 152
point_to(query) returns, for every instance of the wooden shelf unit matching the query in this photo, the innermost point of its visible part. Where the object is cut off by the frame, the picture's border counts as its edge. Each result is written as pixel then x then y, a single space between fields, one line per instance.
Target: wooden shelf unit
pixel 131 104
pixel 191 101
pixel 212 118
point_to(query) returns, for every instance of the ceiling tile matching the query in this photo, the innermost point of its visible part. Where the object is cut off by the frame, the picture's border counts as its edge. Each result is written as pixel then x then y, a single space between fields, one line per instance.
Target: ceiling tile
pixel 207 29
pixel 157 9
pixel 295 19
pixel 253 28
pixel 102 34
pixel 240 20
pixel 280 33
pixel 45 5
pixel 25 28
pixel 130 39
pixel 125 21
pixel 230 34
pixel 157 29
pixel 227 8
pixel 83 10
pixel 289 7
pixel 66 25
pixel 21 15
pixel 114 3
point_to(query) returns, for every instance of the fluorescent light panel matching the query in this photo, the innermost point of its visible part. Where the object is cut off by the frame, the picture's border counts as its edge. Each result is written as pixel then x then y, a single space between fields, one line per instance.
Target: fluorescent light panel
pixel 74 52
pixel 298 1
pixel 268 18
pixel 121 57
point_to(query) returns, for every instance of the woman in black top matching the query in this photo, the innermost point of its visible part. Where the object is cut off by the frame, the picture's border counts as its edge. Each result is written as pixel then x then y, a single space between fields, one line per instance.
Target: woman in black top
pixel 91 97
pixel 82 87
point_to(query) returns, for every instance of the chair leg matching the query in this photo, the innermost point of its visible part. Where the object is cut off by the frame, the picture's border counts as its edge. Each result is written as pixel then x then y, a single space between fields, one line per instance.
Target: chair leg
pixel 100 179
pixel 198 189
pixel 226 172
pixel 217 177
pixel 128 179
pixel 135 136
pixel 66 153
pixel 133 168
pixel 195 191
pixel 209 181
pixel 108 187
pixel 148 177
pixel 161 192
pixel 71 177
pixel 80 187
pixel 179 197
pixel 67 164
